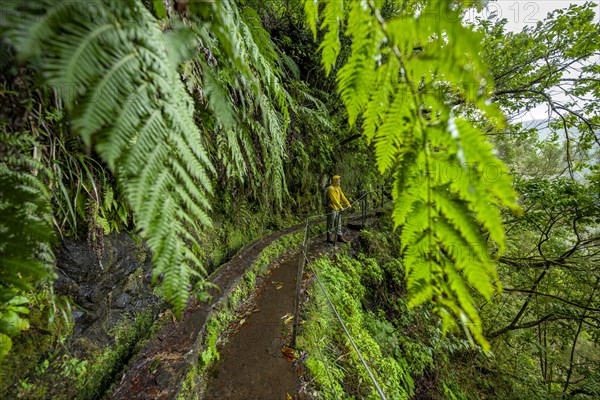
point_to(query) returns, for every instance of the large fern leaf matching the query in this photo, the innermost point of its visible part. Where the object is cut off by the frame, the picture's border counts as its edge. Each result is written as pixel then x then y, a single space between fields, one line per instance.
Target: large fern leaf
pixel 26 259
pixel 109 61
pixel 333 13
pixel 399 76
pixel 251 151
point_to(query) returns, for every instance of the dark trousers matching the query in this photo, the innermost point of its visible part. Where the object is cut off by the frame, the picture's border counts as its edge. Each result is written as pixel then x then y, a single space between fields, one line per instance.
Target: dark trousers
pixel 334 222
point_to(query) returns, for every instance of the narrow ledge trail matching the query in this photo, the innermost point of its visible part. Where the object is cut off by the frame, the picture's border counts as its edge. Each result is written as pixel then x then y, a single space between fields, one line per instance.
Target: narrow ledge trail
pixel 254 363
pixel 251 364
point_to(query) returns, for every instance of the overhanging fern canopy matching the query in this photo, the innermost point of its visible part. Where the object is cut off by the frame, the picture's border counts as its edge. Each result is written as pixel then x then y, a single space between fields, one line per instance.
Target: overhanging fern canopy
pixel 108 60
pixel 404 67
pixel 248 100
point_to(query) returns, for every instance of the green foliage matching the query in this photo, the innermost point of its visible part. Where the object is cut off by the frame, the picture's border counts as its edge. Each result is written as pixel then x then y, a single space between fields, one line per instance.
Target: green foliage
pixel 312 145
pixel 95 375
pixel 542 325
pixel 35 351
pixel 440 365
pixel 129 102
pixel 240 81
pixel 25 254
pixel 11 323
pixel 56 371
pixel 85 192
pixel 550 273
pixel 557 54
pixel 332 361
pixel 400 74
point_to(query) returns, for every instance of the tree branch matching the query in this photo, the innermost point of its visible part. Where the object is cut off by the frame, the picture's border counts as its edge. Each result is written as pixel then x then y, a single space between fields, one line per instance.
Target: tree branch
pixel 570 371
pixel 530 324
pixel 533 292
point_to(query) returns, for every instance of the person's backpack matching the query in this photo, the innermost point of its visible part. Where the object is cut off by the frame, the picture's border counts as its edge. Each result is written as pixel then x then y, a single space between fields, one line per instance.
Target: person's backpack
pixel 325 197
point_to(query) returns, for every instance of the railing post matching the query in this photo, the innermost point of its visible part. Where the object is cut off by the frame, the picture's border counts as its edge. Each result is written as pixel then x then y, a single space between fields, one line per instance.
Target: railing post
pixel 303 253
pixel 364 209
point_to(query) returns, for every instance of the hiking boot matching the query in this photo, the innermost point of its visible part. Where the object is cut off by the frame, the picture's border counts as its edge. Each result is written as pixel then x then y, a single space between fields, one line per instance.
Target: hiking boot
pixel 341 239
pixel 329 238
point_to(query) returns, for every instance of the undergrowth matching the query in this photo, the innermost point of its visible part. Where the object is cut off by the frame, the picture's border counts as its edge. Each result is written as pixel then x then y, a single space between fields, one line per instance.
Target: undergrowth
pixel 406 349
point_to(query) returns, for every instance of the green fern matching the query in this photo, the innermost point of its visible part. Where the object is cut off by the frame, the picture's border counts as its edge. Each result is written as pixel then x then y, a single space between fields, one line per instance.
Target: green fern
pixel 311 9
pixel 247 87
pixel 25 222
pixel 400 74
pixel 131 104
pixel 330 46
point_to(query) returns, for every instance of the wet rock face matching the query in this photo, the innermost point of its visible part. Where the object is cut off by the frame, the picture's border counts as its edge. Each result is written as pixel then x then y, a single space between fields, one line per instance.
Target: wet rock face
pixel 105 291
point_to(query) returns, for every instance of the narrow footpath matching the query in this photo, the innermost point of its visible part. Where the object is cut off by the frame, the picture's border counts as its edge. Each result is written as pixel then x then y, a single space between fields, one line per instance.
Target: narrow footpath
pixel 254 360
pixel 252 364
pixel 256 363
pixel 159 368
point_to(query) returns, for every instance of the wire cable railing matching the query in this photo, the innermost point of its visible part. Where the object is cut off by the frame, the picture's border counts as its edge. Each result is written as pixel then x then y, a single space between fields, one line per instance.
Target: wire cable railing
pixel 323 359
pixel 364 211
pixel 377 198
pixel 339 318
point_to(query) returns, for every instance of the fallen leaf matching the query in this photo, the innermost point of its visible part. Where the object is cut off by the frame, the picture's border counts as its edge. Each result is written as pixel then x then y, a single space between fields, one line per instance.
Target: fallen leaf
pixel 288 318
pixel 289 353
pixel 242 321
pixel 288 396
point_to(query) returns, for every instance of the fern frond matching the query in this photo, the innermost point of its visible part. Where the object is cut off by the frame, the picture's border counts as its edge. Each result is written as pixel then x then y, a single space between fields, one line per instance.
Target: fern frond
pixel 26 258
pixel 399 77
pixel 243 147
pixel 417 226
pixel 475 265
pixel 311 10
pixel 177 284
pixel 219 99
pixel 381 94
pixel 356 76
pixel 389 136
pixel 478 152
pixel 405 189
pixel 291 66
pixel 260 36
pixel 457 286
pixel 130 103
pixel 333 15
pixel 458 214
pixel 419 276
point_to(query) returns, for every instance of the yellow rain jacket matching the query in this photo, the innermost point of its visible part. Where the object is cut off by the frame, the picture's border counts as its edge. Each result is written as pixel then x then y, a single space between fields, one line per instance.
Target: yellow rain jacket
pixel 336 197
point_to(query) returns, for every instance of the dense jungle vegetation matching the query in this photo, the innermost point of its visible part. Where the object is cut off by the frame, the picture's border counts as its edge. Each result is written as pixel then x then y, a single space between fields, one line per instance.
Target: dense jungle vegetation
pixel 196 126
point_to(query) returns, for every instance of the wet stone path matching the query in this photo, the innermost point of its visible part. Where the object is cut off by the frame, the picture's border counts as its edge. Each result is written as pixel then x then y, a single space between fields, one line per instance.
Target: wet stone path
pixel 256 362
pixel 252 364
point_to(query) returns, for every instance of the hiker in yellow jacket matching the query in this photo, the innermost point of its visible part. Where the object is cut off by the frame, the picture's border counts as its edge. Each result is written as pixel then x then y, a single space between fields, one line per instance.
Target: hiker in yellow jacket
pixel 334 220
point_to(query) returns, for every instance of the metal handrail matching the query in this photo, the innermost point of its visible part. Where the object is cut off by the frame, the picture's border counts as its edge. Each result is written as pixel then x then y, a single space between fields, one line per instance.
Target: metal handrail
pixel 302 263
pixel 362 360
